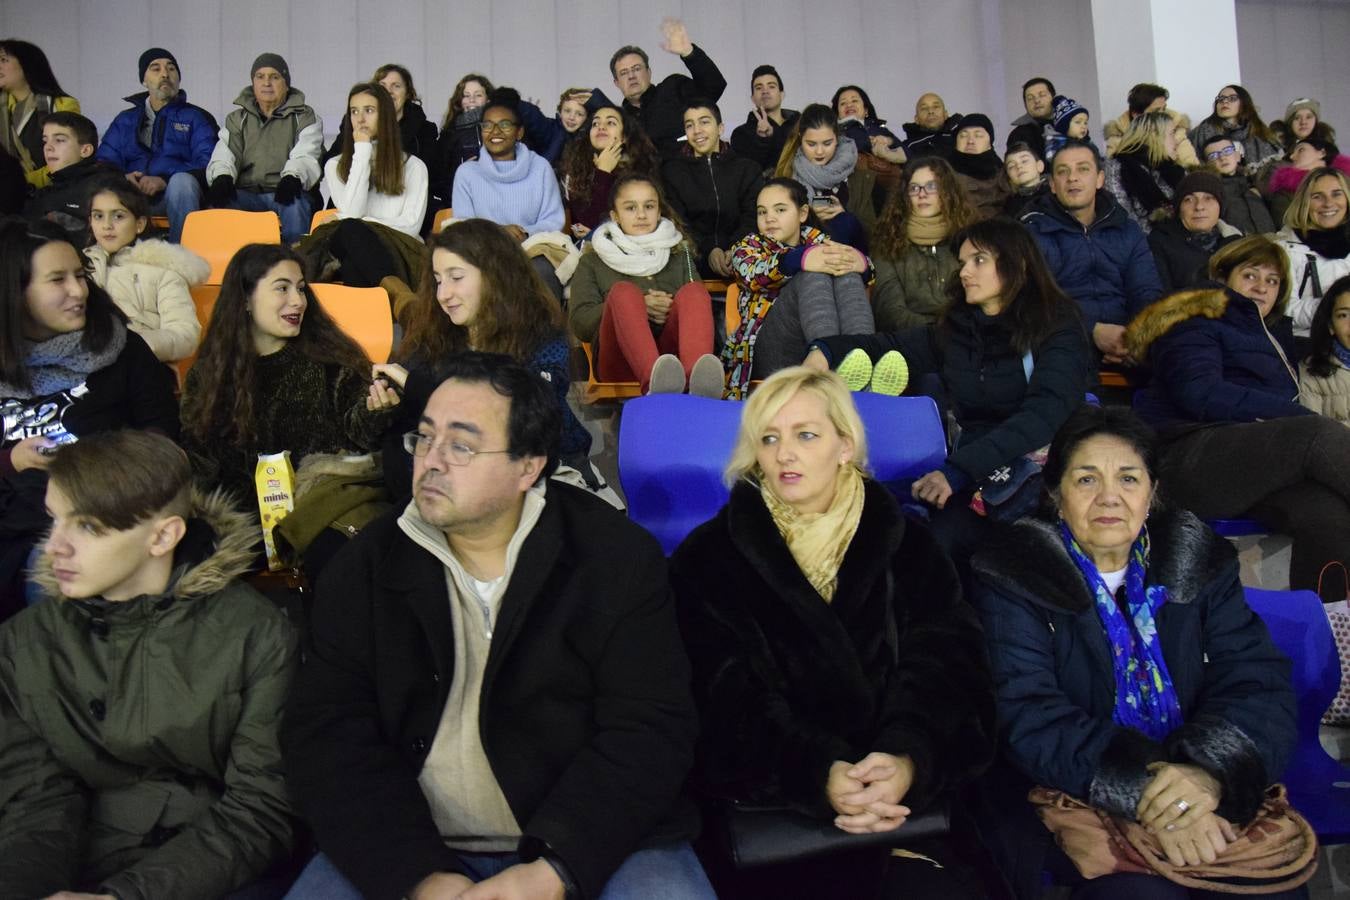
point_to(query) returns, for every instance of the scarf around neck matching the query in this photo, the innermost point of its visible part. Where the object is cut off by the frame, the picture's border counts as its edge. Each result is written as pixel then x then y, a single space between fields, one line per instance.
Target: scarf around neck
pixel 823 179
pixel 1342 352
pixel 636 254
pixel 818 541
pixel 60 362
pixel 983 166
pixel 1145 697
pixel 927 232
pixel 1328 243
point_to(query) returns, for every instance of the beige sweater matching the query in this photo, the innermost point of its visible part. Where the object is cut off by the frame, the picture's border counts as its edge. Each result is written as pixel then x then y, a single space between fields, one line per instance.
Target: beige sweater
pixel 466 802
pixel 1328 395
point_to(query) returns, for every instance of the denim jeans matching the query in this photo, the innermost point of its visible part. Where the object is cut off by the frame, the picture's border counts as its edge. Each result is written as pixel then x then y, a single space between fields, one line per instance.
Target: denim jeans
pixel 671 872
pixel 294 217
pixel 183 195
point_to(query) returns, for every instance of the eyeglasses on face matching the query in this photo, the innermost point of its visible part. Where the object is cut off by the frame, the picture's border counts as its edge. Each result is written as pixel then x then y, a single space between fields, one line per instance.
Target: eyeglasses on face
pixel 453 452
pixel 1227 98
pixel 1220 154
pixel 918 190
pixel 502 126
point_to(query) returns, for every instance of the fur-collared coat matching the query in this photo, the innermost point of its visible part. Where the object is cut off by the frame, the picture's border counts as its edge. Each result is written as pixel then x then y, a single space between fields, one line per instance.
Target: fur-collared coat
pixel 151 282
pixel 786 683
pixel 1056 688
pixel 1214 360
pixel 139 740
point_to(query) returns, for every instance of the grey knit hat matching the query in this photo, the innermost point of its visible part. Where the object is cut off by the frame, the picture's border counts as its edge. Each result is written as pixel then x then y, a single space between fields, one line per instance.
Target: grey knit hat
pixel 272 61
pixel 1307 103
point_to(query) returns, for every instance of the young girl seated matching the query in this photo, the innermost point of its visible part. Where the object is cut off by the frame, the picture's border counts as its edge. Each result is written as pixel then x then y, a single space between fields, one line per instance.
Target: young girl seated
pixel 161 775
pixel 149 280
pixel 1324 377
pixel 616 144
pixel 480 293
pixel 637 298
pixel 844 195
pixel 797 286
pixel 381 196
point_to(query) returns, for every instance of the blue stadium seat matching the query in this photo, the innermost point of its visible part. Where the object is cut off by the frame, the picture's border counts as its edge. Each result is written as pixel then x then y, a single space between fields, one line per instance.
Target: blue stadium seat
pixel 1236 527
pixel 1319 786
pixel 673 448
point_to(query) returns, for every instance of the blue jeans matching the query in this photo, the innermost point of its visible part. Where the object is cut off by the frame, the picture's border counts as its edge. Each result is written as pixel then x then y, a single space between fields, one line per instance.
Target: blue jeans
pixel 671 872
pixel 294 217
pixel 183 195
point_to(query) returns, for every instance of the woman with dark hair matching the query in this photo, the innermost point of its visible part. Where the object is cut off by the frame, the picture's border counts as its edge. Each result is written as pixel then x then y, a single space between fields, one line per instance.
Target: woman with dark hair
pixel 1143 174
pixel 1224 397
pixel 837 669
pixel 590 167
pixel 796 286
pixel 1235 116
pixel 1316 238
pixel 1325 374
pixel 1013 361
pixel 859 123
pixel 380 192
pixel 480 292
pixel 911 246
pixel 275 373
pixel 844 196
pixel 28 93
pixel 69 367
pixel 416 134
pixel 638 300
pixel 1303 156
pixel 1131 674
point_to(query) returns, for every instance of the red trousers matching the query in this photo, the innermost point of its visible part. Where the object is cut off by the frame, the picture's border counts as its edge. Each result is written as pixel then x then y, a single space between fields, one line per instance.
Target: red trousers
pixel 627 346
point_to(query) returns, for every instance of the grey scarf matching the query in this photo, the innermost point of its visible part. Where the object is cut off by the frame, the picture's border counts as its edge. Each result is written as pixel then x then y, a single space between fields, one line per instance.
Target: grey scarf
pixel 823 179
pixel 60 363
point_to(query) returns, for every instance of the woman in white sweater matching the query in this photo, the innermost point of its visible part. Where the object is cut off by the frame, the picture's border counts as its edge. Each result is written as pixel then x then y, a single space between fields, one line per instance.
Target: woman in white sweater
pixel 380 193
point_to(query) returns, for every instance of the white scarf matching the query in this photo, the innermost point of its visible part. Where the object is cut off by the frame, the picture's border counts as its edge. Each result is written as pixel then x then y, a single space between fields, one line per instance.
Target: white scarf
pixel 641 254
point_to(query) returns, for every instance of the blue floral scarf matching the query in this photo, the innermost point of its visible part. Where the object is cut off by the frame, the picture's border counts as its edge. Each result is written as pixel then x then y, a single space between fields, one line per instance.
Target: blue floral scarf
pixel 1145 697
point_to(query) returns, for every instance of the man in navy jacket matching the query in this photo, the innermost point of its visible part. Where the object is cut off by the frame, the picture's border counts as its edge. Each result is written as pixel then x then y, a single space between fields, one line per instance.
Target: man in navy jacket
pixel 162 142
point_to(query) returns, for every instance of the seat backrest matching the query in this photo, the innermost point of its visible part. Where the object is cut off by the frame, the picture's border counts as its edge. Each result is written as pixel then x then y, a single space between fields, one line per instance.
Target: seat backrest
pixel 363 314
pixel 1299 627
pixel 673 448
pixel 442 216
pixel 217 234
pixel 732 316
pixel 321 216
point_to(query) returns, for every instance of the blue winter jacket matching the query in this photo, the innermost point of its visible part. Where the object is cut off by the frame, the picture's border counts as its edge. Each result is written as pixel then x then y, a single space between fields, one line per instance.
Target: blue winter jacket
pixel 183 139
pixel 1213 360
pixel 1106 268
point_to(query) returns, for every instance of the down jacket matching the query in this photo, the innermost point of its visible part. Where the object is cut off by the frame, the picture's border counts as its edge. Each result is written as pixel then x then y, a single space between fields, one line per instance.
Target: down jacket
pixel 1106 267
pixel 786 683
pixel 911 288
pixel 1314 266
pixel 138 740
pixel 1056 689
pixel 1213 360
pixel 182 141
pixel 1327 394
pixel 150 282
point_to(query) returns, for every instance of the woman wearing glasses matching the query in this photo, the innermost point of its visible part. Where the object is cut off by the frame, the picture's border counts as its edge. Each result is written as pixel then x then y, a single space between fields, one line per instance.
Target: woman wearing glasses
pixel 1236 116
pixel 480 293
pixel 911 245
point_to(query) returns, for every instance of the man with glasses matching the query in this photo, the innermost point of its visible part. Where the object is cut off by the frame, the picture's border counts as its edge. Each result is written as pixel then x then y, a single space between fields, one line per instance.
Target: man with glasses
pixel 496 690
pixel 1243 206
pixel 660 107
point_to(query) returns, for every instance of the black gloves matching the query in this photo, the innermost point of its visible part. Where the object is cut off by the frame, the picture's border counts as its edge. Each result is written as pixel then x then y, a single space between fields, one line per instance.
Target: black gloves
pixel 288 190
pixel 222 191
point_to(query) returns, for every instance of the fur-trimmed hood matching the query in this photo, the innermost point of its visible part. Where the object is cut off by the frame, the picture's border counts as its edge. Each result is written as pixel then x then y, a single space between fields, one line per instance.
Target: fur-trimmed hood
pixel 1029 560
pixel 220 545
pixel 318 467
pixel 1157 319
pixel 155 253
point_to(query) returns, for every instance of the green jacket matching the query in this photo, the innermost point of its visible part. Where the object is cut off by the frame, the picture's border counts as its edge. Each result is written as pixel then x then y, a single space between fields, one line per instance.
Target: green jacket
pixel 138 740
pixel 592 280
pixel 910 289
pixel 257 153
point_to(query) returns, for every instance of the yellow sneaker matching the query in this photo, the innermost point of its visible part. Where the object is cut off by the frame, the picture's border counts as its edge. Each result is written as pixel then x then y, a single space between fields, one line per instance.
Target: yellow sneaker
pixel 856 370
pixel 890 375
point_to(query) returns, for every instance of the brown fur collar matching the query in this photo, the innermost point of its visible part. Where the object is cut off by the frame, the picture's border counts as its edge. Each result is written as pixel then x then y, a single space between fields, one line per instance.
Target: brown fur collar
pixel 236 536
pixel 318 467
pixel 1159 318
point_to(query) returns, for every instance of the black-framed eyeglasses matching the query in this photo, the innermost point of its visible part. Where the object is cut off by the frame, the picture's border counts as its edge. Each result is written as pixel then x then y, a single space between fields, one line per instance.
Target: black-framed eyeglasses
pixel 918 190
pixel 1227 98
pixel 503 126
pixel 456 454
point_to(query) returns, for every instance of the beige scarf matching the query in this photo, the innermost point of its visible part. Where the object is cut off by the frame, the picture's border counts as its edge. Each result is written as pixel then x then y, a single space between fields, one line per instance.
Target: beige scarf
pixel 926 232
pixel 818 541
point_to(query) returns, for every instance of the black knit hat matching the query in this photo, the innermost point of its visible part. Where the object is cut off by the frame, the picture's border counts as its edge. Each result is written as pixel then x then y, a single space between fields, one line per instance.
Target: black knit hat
pixel 271 61
pixel 1200 182
pixel 977 120
pixel 150 56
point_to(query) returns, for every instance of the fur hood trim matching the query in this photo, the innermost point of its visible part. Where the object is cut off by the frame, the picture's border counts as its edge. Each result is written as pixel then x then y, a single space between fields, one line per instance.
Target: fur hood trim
pixel 317 467
pixel 234 539
pixel 1028 559
pixel 1159 318
pixel 160 254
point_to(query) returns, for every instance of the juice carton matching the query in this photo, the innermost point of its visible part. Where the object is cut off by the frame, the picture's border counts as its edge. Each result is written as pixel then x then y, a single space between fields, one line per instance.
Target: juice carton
pixel 275 479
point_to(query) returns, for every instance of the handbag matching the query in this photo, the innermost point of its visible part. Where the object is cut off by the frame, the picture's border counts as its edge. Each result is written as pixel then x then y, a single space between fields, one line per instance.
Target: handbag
pixel 1013 491
pixel 1338 615
pixel 762 834
pixel 1276 852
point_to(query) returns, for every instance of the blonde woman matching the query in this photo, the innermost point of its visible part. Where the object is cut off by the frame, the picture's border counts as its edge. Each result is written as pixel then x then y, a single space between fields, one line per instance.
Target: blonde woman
pixel 1143 173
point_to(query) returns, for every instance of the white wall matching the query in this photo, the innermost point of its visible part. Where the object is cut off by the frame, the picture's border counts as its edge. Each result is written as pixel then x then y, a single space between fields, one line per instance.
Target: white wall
pixel 976 53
